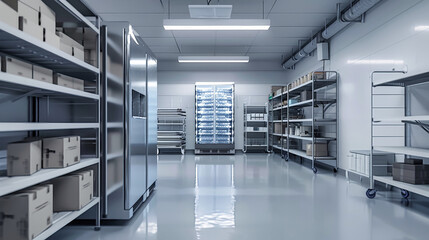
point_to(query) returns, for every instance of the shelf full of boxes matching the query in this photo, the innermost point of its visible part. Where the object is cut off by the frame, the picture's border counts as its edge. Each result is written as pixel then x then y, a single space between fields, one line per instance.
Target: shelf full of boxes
pixel 49 140
pixel 276 115
pixel 399 126
pixel 305 117
pixel 255 128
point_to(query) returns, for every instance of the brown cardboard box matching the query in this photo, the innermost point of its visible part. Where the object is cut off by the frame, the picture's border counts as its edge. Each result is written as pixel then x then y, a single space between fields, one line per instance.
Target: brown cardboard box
pixel 319 75
pixel 74 191
pixel 63 80
pixel 42 74
pixel 27 213
pixel 408 173
pixel 78 84
pixel 8 14
pixel 16 67
pixel 306 95
pixel 320 150
pixel 28 12
pixel 31 28
pixel 51 38
pixel 61 152
pixel 24 158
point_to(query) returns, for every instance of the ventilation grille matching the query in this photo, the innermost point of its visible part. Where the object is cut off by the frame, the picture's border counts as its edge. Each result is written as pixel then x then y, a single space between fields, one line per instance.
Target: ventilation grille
pixel 210 11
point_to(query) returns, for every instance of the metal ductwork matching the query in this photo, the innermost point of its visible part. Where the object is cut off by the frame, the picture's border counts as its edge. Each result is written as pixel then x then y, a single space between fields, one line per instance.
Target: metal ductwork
pixel 342 21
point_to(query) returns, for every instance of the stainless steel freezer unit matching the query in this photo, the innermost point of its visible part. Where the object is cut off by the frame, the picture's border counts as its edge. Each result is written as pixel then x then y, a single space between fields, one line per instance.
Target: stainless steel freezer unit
pixel 129 120
pixel 214 118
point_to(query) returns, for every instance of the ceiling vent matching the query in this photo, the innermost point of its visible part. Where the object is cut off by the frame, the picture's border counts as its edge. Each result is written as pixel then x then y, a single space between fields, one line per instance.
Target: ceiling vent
pixel 210 11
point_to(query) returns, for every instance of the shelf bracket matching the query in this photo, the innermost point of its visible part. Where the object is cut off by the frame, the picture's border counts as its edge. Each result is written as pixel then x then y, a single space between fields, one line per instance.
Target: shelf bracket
pixel 16 98
pixel 424 126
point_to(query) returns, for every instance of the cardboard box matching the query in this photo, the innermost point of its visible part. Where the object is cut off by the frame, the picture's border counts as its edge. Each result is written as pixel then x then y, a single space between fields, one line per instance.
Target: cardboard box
pixel 319 75
pixel 61 152
pixel 51 38
pixel 306 95
pixel 28 12
pixel 278 128
pixel 320 150
pixel 24 158
pixel 413 161
pixel 78 84
pixel 63 80
pixel 30 28
pixel 42 74
pixel 413 174
pixel 78 53
pixel 16 67
pixel 48 23
pixel 27 213
pixel 8 15
pixel 74 191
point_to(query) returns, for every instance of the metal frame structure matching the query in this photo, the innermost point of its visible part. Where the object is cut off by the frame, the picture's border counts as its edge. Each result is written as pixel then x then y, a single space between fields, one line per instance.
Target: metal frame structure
pixel 171 130
pixel 312 85
pixel 27 48
pixel 272 112
pixel 247 134
pixel 406 120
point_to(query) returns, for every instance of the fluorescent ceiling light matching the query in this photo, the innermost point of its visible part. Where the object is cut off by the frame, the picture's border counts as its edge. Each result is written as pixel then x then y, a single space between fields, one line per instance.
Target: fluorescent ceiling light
pixel 213 59
pixel 376 61
pixel 210 11
pixel 217 24
pixel 421 28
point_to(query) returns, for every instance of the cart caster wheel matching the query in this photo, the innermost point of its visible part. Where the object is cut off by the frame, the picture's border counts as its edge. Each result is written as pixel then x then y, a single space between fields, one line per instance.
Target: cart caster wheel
pixel 405 193
pixel 97 229
pixel 314 170
pixel 370 193
pixel 286 159
pixel 335 170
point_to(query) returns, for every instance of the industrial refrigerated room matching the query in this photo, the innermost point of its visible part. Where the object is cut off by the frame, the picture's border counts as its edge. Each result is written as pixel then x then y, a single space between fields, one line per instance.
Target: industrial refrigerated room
pixel 214 119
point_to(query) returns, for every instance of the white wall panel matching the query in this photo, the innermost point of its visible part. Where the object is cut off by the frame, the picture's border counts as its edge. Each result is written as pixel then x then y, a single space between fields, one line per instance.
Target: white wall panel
pixel 387 34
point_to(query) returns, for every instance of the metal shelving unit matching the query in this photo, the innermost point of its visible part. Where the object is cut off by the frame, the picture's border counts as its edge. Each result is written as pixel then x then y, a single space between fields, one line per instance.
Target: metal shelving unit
pixel 171 130
pixel 42 109
pixel 214 118
pixel 288 111
pixel 255 128
pixel 403 123
pixel 320 111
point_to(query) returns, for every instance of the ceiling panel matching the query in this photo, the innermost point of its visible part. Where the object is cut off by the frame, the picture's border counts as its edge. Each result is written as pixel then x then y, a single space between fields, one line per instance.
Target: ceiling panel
pixel 291 21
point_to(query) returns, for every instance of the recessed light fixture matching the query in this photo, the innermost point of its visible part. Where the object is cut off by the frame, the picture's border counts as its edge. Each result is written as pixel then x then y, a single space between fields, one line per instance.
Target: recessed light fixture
pixel 217 24
pixel 210 11
pixel 213 59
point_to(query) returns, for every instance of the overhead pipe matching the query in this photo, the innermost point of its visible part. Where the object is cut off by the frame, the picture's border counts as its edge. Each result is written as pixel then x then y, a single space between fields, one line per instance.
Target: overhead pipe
pixel 342 21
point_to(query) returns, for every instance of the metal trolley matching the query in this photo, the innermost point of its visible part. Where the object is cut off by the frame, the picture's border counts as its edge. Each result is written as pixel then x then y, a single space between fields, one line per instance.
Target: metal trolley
pixel 402 120
pixel 255 128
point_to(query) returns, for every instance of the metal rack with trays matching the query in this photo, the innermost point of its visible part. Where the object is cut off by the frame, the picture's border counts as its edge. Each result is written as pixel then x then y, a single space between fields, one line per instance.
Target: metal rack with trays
pixel 255 128
pixel 42 109
pixel 171 129
pixel 405 119
pixel 276 115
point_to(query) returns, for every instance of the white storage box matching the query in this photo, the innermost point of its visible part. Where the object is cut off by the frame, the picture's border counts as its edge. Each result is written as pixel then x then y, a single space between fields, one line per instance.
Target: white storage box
pixel 16 67
pixel 78 84
pixel 42 74
pixel 28 12
pixel 48 23
pixel 31 28
pixel 78 53
pixel 61 152
pixel 63 80
pixel 73 192
pixel 24 158
pixel 26 214
pixel 51 38
pixel 8 15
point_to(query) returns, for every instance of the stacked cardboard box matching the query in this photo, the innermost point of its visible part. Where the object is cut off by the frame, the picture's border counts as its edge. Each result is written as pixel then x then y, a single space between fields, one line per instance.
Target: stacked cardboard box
pixel 24 158
pixel 61 152
pixel 17 67
pixel 70 82
pixel 8 13
pixel 411 171
pixel 27 213
pixel 320 150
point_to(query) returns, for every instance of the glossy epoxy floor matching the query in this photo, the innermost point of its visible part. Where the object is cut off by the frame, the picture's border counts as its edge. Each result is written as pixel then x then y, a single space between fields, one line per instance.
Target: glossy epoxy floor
pixel 260 196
